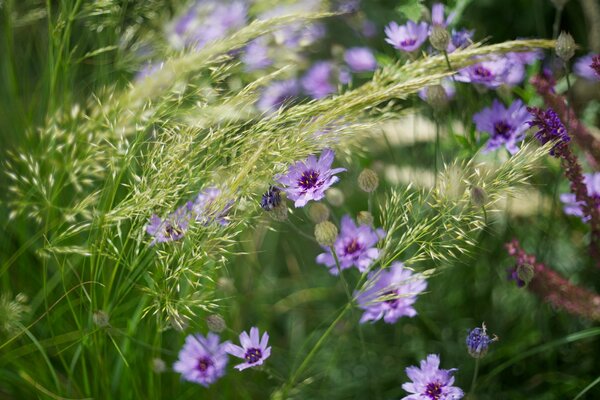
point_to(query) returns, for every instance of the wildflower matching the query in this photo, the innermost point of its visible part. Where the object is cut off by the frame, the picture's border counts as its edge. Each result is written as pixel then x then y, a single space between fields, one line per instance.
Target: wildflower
pixel 355 246
pixel 431 383
pixel 437 16
pixel 307 180
pixel 277 94
pixel 271 198
pixel 173 227
pixel 368 180
pixel 516 65
pixel 506 126
pixel 256 55
pixel 574 207
pixel 490 73
pixel 202 359
pixel 390 294
pixel 203 207
pixel 459 39
pixel 550 128
pixel 317 80
pixel 255 352
pixel 584 67
pixel 478 341
pixel 326 233
pixel 439 38
pixel 407 37
pixel 360 59
pixel 565 46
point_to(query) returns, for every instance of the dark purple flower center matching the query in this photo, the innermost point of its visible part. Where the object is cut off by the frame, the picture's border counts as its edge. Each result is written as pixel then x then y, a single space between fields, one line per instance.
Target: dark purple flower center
pixel 204 364
pixel 433 390
pixel 482 72
pixel 352 247
pixel 172 231
pixel 501 128
pixel 392 300
pixel 253 355
pixel 408 42
pixel 309 179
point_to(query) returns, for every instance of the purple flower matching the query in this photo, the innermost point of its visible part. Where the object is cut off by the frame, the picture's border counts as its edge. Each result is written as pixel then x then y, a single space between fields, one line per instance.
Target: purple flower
pixel 173 227
pixel 407 37
pixel 516 63
pixel 203 207
pixel 390 294
pixel 431 383
pixel 307 180
pixel 253 350
pixel 550 128
pixel 202 359
pixel 148 70
pixel 490 73
pixel 574 207
pixel 583 68
pixel 478 342
pixel 596 64
pixel 355 246
pixel 256 55
pixel 506 126
pixel 271 198
pixel 296 34
pixel 368 28
pixel 317 80
pixel 277 94
pixel 437 15
pixel 460 39
pixel 360 59
pixel 446 83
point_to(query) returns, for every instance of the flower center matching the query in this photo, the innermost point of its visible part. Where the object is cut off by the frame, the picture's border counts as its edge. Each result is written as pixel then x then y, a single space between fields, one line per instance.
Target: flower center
pixel 392 300
pixel 501 128
pixel 204 364
pixel 352 247
pixel 172 231
pixel 253 355
pixel 433 390
pixel 482 72
pixel 309 179
pixel 408 42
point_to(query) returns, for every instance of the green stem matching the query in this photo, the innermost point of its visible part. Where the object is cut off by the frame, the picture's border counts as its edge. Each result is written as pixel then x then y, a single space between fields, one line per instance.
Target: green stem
pixel 339 268
pixel 474 381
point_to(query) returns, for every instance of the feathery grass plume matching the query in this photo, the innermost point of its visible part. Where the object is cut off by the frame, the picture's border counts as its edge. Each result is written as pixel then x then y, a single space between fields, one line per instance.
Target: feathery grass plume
pixel 440 224
pixel 12 313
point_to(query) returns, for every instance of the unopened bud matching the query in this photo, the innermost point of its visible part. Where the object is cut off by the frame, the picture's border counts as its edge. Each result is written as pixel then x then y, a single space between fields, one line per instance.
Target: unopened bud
pixel 368 180
pixel 439 38
pixel 525 273
pixel 478 196
pixel 326 233
pixel 158 365
pixel 565 46
pixel 215 323
pixel 478 342
pixel 364 218
pixel 436 96
pixel 101 319
pixel 335 197
pixel 22 298
pixel 318 212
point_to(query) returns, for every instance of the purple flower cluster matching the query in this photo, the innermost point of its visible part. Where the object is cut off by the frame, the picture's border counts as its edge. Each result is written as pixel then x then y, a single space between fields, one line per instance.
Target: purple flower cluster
pixel 584 67
pixel 408 37
pixel 307 180
pixel 355 246
pixel 254 350
pixel 550 128
pixel 202 359
pixel 429 382
pixel 201 210
pixel 506 126
pixel 574 207
pixel 390 294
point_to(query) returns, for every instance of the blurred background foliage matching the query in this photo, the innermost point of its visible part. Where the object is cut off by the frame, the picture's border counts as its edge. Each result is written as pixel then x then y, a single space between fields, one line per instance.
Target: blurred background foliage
pixel 58 53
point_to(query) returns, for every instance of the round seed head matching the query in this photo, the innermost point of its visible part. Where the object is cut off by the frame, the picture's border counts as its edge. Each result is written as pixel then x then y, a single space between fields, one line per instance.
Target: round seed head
pixel 364 218
pixel 565 46
pixel 215 323
pixel 439 38
pixel 326 233
pixel 436 96
pixel 335 197
pixel 318 212
pixel 101 319
pixel 368 180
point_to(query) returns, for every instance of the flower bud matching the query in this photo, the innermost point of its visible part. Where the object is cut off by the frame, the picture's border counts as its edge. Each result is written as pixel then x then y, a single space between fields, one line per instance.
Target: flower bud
pixel 439 38
pixel 271 198
pixel 436 96
pixel 368 180
pixel 335 197
pixel 101 319
pixel 525 273
pixel 478 342
pixel 158 366
pixel 215 323
pixel 318 212
pixel 478 196
pixel 364 218
pixel 565 46
pixel 326 233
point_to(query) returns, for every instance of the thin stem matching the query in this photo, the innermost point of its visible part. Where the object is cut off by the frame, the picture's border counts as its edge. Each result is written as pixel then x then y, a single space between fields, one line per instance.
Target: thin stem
pixel 474 381
pixel 437 149
pixel 370 203
pixel 339 268
pixel 556 25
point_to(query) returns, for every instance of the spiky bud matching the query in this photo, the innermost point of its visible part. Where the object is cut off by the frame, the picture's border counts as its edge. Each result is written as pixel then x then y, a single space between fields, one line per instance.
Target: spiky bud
pixel 318 212
pixel 478 196
pixel 335 197
pixel 368 180
pixel 101 319
pixel 436 96
pixel 565 46
pixel 215 323
pixel 364 218
pixel 525 273
pixel 326 233
pixel 439 38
